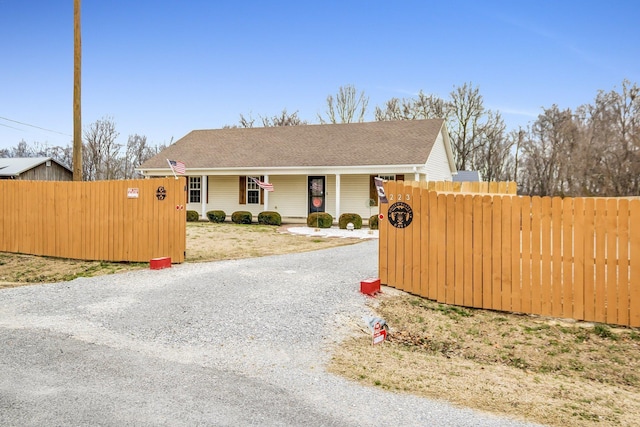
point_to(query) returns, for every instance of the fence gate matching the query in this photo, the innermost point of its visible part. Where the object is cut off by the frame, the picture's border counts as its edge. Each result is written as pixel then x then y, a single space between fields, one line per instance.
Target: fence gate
pixel 563 257
pixel 129 220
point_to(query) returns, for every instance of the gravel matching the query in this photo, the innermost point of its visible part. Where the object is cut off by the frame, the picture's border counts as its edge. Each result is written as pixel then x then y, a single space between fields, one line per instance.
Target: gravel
pixel 232 343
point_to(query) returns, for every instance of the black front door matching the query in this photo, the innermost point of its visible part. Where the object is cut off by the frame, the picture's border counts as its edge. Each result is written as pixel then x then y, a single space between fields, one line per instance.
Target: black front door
pixel 316 194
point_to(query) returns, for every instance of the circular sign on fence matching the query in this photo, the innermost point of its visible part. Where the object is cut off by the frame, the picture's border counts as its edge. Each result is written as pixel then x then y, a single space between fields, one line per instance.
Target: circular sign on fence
pixel 400 215
pixel 161 193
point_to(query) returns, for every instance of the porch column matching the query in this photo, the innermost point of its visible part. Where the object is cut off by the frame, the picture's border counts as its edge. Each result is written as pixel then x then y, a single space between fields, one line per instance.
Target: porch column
pixel 416 176
pixel 266 195
pixel 337 197
pixel 203 195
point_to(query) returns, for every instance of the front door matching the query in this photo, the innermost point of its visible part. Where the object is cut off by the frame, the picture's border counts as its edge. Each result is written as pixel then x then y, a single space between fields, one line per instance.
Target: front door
pixel 316 194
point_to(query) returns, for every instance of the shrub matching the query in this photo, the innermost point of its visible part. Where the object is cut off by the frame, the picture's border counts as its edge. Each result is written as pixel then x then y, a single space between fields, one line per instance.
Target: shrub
pixel 353 218
pixel 373 222
pixel 241 217
pixel 193 216
pixel 269 218
pixel 320 220
pixel 216 216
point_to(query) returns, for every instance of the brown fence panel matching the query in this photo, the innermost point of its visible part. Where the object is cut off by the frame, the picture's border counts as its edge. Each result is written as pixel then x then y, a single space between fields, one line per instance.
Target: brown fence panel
pixel 477 250
pixel 95 220
pixel 549 256
pixel 623 262
pixel 416 231
pixel 601 252
pixel 634 263
pixel 578 259
pixel 612 261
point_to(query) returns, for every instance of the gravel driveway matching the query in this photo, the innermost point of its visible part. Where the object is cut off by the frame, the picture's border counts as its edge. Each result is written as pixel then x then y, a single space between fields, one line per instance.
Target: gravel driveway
pixel 223 343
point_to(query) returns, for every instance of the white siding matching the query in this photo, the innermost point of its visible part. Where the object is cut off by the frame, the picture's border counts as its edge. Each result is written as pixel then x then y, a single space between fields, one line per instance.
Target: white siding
pixel 355 196
pixel 437 163
pixel 223 194
pixel 289 196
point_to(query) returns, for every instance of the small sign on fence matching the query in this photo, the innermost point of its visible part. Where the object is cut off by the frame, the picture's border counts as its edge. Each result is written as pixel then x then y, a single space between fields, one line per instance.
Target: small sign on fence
pixel 132 193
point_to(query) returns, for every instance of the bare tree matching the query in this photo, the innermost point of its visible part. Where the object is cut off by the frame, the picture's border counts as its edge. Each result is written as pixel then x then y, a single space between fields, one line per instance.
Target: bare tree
pixel 422 107
pixel 493 157
pixel 283 119
pixel 615 124
pixel 347 107
pixel 465 126
pixel 138 151
pixel 550 155
pixel 101 151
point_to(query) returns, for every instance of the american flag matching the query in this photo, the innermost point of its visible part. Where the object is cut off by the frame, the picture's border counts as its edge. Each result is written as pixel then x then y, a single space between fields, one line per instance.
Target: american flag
pixel 266 186
pixel 177 166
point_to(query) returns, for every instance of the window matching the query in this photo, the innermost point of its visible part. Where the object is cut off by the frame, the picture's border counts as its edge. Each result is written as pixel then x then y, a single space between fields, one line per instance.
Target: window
pixel 194 189
pixel 253 191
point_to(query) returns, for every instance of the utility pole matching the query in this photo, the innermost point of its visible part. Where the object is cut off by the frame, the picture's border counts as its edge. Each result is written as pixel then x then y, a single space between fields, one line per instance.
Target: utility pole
pixel 77 111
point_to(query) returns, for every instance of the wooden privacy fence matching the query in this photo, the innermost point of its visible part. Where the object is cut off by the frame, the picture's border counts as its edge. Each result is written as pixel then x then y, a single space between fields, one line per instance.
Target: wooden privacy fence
pixel 132 220
pixel 573 257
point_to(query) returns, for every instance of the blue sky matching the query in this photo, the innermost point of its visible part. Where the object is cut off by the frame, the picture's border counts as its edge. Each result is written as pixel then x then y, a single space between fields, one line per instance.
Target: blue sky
pixel 163 68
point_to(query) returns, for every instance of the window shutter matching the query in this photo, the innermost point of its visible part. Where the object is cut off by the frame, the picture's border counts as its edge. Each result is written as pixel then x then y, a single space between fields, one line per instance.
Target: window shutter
pixel 399 177
pixel 207 195
pixel 242 195
pixel 373 192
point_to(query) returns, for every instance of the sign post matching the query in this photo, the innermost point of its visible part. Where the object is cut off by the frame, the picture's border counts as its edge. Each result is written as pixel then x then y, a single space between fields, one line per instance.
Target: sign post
pixel 379 334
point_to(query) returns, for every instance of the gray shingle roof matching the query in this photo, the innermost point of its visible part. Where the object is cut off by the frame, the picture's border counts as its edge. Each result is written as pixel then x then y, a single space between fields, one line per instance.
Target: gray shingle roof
pixel 406 142
pixel 14 166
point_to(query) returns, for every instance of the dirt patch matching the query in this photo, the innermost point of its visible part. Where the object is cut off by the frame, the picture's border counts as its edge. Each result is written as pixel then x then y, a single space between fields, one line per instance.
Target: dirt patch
pixel 542 370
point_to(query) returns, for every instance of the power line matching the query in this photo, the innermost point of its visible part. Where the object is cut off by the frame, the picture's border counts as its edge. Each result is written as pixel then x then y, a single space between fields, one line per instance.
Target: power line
pixel 33 126
pixel 7 126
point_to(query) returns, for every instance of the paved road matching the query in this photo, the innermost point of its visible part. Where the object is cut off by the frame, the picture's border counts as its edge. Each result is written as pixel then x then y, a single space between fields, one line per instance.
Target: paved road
pixel 227 343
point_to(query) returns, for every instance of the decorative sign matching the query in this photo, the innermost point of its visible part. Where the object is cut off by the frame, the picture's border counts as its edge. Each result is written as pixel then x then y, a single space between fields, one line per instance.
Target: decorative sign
pixel 379 334
pixel 132 193
pixel 380 189
pixel 400 215
pixel 161 193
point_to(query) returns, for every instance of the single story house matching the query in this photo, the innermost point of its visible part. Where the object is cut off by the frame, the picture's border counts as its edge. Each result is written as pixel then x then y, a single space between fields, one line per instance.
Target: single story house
pixel 313 168
pixel 34 169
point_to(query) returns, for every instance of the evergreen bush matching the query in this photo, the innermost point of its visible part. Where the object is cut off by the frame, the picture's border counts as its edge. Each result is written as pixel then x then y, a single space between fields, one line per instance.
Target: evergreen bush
pixel 373 222
pixel 353 218
pixel 241 217
pixel 320 220
pixel 269 218
pixel 193 216
pixel 216 216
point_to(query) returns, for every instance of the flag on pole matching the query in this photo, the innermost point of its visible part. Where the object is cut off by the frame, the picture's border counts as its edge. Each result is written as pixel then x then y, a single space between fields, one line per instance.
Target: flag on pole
pixel 177 167
pixel 266 186
pixel 381 195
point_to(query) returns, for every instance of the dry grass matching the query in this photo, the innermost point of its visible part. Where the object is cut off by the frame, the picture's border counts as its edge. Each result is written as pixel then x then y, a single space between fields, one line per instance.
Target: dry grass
pixel 543 370
pixel 539 369
pixel 205 242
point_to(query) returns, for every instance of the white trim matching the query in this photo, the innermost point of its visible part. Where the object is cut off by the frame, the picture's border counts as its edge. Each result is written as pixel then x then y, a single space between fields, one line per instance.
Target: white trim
pixel 338 185
pixel 204 180
pixel 266 194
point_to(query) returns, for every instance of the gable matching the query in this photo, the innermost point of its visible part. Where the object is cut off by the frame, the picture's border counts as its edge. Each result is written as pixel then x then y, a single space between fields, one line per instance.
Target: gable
pixel 16 166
